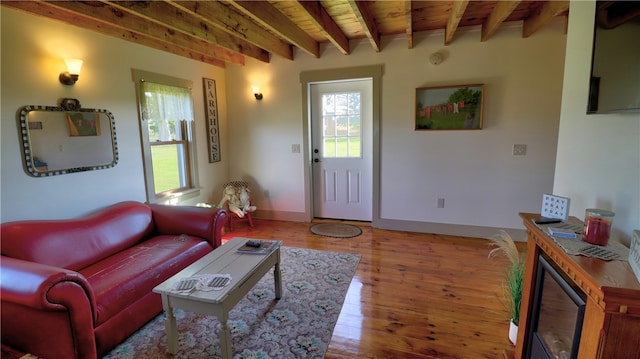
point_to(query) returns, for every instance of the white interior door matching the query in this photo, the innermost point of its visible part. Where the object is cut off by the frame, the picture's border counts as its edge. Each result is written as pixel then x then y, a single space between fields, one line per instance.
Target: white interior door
pixel 341 131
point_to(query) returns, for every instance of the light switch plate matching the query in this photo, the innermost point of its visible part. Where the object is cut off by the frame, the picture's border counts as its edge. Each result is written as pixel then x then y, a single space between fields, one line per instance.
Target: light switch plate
pixel 519 150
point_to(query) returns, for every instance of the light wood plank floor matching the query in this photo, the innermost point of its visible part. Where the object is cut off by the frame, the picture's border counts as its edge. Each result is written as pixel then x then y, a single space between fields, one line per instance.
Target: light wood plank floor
pixel 414 295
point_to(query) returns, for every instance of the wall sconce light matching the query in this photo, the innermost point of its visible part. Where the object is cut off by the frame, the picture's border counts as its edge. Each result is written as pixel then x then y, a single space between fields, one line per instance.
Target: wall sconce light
pixel 256 92
pixel 70 76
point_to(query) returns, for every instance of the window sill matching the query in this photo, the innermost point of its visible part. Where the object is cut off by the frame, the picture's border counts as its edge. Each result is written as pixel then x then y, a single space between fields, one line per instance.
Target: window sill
pixel 177 197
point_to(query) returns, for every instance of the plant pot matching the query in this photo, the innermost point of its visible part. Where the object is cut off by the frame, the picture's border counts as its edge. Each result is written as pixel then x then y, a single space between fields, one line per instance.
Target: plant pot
pixel 513 332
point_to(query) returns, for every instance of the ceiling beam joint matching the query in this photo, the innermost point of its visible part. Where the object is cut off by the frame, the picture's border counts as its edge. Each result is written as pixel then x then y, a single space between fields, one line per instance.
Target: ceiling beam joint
pixel 454 20
pixel 499 14
pixel 543 16
pixel 320 18
pixel 367 22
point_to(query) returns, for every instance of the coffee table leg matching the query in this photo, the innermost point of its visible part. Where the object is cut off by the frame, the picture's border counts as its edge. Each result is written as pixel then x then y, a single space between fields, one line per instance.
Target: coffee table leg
pixel 277 276
pixel 170 326
pixel 226 350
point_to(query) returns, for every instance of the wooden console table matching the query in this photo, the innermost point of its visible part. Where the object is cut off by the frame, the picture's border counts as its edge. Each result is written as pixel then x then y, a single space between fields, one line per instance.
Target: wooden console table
pixel 611 327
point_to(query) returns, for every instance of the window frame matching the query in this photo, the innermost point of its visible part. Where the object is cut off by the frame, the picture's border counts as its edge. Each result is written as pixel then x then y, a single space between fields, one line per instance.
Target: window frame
pixel 190 169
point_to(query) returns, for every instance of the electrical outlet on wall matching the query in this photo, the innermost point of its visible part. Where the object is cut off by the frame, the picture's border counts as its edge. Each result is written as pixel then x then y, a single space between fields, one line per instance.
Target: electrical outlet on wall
pixel 295 148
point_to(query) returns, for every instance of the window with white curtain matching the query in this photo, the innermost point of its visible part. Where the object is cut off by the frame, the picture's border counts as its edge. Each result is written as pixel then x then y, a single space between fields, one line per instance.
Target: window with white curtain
pixel 166 125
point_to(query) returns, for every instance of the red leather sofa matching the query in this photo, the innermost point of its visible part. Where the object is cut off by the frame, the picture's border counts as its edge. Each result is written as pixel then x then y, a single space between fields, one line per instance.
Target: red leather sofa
pixel 76 288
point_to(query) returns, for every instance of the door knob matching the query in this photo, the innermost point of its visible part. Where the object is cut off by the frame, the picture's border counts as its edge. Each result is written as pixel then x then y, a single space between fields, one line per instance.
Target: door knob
pixel 316 160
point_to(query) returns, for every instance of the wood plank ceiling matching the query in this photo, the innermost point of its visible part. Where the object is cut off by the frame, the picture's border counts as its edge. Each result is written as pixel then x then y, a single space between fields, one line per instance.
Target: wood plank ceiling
pixel 226 32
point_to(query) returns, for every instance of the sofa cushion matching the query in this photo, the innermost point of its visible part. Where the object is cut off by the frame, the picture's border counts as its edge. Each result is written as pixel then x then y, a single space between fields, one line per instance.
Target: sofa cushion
pixel 76 243
pixel 129 275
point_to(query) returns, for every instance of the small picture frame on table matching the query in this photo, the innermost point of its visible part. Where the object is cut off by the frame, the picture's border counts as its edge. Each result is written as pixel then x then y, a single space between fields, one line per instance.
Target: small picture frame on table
pixel 555 207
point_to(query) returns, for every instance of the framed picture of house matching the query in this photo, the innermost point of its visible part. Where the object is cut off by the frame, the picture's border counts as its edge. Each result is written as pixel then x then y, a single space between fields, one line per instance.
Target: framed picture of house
pixel 456 107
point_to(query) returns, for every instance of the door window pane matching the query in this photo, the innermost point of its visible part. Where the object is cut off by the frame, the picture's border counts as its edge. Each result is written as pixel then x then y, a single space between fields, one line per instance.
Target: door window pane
pixel 342 126
pixel 329 127
pixel 329 147
pixel 354 126
pixel 355 150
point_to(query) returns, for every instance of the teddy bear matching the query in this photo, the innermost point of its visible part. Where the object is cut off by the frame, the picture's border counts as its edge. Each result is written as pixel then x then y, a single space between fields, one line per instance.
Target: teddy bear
pixel 237 194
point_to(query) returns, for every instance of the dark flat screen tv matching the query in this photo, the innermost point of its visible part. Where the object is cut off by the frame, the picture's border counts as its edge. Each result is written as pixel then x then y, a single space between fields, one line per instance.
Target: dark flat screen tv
pixel 615 65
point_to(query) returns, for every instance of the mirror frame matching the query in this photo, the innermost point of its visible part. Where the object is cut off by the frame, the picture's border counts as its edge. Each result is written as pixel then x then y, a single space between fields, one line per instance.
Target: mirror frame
pixel 67 105
pixel 616 13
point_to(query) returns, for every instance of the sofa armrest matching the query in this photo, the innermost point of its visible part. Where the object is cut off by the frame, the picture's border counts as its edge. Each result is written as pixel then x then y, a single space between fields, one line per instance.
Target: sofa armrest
pixel 44 306
pixel 29 283
pixel 201 222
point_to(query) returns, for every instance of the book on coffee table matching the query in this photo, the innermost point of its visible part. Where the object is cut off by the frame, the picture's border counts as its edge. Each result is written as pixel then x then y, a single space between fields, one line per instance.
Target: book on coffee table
pixel 263 246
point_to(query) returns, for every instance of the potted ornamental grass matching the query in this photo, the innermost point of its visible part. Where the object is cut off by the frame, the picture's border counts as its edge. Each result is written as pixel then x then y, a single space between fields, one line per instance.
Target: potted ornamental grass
pixel 513 277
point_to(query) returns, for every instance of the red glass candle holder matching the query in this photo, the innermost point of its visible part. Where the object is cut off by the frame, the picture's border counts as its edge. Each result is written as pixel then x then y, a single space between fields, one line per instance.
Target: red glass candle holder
pixel 597 226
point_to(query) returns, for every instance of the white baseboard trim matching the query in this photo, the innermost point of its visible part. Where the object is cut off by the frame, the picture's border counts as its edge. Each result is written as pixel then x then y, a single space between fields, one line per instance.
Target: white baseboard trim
pixel 410 226
pixel 461 230
pixel 281 216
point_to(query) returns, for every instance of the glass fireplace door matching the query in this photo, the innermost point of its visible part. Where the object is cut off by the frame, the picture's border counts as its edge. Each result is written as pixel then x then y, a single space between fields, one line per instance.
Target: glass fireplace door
pixel 557 315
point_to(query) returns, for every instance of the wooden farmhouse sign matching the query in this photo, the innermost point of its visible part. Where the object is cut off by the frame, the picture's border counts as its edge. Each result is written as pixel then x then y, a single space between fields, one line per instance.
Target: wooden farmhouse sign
pixel 211 114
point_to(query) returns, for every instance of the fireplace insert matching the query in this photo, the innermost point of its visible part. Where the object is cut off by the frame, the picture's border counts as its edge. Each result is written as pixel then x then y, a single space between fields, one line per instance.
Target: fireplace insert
pixel 557 315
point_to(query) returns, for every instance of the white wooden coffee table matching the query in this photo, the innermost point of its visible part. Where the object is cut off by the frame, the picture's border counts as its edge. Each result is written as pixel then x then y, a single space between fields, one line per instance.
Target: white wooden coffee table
pixel 245 270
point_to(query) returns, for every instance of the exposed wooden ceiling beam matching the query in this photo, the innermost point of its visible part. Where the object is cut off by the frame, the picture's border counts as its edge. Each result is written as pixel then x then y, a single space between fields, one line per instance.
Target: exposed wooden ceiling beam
pixel 271 18
pixel 226 31
pixel 222 17
pixel 364 16
pixel 454 20
pixel 213 56
pixel 543 16
pixel 319 16
pixel 112 16
pixel 176 19
pixel 408 20
pixel 499 14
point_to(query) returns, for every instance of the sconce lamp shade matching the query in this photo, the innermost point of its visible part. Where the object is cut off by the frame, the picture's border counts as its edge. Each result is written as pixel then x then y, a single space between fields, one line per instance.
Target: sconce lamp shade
pixel 73 66
pixel 70 76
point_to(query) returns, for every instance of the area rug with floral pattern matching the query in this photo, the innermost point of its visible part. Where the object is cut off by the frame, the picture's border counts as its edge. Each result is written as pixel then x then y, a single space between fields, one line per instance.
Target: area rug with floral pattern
pixel 299 325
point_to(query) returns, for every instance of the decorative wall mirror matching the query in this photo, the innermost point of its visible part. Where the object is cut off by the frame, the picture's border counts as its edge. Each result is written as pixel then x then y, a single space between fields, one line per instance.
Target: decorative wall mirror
pixel 67 139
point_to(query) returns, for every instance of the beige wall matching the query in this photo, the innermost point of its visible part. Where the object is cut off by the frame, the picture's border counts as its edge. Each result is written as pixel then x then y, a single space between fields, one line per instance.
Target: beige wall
pixel 598 162
pixel 482 183
pixel 33 49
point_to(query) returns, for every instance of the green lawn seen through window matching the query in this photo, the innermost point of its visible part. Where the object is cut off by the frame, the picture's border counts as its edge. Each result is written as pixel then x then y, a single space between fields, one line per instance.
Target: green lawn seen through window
pixel 346 147
pixel 165 167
